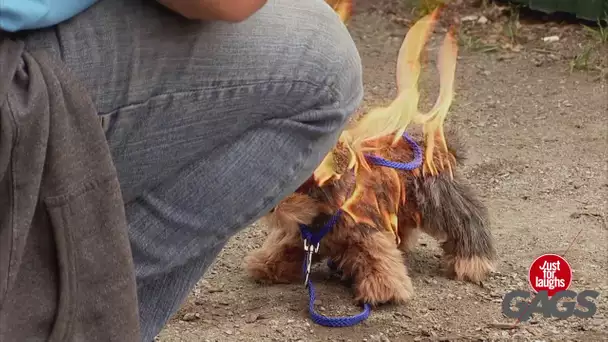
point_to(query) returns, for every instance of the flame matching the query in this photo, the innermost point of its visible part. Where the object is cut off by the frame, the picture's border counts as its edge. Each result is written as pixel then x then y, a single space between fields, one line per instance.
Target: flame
pixel 433 121
pixel 397 116
pixel 378 192
pixel 403 110
pixel 366 203
pixel 326 170
pixel 342 7
pixel 381 129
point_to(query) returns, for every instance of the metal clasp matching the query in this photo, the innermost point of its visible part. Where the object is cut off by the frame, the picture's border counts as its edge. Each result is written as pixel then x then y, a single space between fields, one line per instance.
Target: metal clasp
pixel 310 251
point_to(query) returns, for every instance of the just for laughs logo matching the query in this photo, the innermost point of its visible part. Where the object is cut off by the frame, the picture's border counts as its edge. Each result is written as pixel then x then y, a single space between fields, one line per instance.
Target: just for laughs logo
pixel 551 273
pixel 550 276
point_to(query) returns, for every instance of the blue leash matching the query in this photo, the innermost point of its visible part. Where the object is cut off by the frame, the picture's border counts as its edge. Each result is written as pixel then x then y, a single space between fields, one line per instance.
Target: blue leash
pixel 414 164
pixel 311 246
pixel 312 242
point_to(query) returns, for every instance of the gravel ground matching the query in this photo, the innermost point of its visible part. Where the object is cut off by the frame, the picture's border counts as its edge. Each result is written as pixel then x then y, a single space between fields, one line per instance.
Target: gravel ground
pixel 535 117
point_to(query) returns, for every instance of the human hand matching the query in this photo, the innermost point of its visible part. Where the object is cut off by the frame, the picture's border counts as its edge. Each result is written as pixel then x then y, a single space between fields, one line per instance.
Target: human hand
pixel 223 10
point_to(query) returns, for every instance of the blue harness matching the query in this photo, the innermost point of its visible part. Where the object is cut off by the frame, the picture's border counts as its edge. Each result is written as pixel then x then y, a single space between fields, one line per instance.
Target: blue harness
pixel 312 241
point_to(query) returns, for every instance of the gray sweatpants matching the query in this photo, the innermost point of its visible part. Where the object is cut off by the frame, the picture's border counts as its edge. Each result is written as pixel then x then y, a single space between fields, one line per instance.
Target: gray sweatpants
pixel 209 124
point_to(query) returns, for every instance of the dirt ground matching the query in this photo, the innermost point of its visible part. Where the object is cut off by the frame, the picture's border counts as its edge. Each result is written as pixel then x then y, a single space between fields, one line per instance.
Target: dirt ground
pixel 535 117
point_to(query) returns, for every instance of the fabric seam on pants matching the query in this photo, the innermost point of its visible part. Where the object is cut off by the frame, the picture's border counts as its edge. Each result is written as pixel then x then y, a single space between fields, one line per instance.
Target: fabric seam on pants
pixel 332 93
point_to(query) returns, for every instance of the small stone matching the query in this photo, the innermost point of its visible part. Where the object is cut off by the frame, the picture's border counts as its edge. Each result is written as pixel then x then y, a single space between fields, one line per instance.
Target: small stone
pixel 503 326
pixel 379 338
pixel 550 39
pixel 402 314
pixel 251 318
pixel 447 338
pixel 212 289
pixel 482 20
pixel 190 316
pixel 228 332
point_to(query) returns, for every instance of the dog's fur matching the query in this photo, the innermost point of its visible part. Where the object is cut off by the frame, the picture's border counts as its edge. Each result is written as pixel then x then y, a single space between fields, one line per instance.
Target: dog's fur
pixel 366 252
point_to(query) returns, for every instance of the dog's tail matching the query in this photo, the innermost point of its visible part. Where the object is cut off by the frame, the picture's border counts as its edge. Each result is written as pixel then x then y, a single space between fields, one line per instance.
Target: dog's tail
pixel 452 213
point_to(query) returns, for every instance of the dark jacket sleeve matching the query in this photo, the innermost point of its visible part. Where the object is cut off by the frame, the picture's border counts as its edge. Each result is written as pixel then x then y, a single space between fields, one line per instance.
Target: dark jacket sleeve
pixel 66 270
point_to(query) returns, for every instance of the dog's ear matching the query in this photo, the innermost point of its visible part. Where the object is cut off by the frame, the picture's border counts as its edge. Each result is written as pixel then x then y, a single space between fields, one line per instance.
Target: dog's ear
pixel 294 209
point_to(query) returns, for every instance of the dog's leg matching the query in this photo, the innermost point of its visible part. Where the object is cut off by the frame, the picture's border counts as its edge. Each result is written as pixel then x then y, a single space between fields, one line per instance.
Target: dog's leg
pixel 452 214
pixel 279 260
pixel 376 266
pixel 409 224
pixel 409 234
pixel 281 257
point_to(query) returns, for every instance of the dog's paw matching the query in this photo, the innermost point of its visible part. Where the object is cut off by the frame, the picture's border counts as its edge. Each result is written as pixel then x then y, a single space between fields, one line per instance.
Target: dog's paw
pixel 380 288
pixel 256 268
pixel 267 270
pixel 473 269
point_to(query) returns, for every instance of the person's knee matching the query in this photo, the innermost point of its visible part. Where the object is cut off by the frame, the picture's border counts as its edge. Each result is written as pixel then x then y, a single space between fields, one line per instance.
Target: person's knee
pixel 329 47
pixel 319 51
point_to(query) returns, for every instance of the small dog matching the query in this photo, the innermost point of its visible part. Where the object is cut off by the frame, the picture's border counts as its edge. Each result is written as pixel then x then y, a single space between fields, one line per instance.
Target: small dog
pixel 385 209
pixel 441 206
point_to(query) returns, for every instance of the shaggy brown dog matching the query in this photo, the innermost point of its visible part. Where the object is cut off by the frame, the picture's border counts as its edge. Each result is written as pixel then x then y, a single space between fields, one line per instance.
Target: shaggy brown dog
pixel 366 251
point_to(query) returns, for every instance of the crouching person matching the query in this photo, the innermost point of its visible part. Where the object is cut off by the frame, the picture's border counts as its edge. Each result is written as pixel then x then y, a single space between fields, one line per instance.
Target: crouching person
pixel 137 137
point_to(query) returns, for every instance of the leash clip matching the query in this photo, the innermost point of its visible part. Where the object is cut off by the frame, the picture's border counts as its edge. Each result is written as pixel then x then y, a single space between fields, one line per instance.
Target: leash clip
pixel 310 251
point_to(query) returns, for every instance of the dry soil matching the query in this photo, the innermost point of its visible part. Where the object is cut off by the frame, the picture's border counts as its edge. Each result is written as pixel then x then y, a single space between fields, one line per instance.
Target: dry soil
pixel 537 134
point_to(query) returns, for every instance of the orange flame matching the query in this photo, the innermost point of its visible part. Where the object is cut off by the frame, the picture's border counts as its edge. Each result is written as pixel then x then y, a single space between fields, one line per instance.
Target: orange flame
pixel 379 192
pixel 389 123
pixel 342 7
